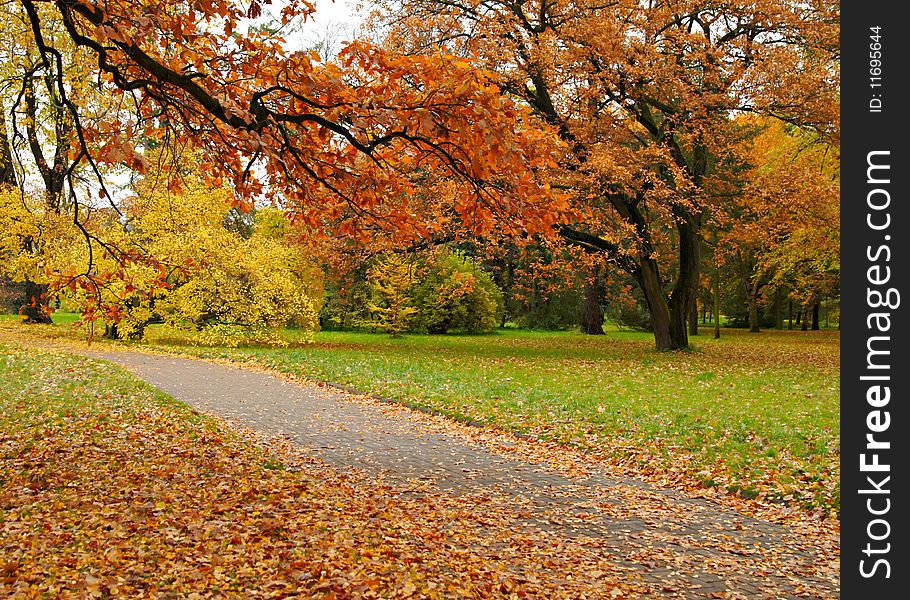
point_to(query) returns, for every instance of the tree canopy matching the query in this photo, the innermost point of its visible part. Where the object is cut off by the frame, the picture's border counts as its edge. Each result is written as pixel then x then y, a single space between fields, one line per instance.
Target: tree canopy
pixel 610 126
pixel 644 94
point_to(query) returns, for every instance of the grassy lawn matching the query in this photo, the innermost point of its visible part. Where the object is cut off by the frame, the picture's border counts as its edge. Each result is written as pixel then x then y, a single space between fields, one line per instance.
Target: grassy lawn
pixel 109 488
pixel 753 414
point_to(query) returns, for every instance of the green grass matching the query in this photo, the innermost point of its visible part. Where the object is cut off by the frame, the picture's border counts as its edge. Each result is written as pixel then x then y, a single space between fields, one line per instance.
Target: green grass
pixel 44 386
pixel 756 414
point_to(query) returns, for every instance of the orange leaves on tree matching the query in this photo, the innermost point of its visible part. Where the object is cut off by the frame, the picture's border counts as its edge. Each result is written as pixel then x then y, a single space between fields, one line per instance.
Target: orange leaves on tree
pixel 346 139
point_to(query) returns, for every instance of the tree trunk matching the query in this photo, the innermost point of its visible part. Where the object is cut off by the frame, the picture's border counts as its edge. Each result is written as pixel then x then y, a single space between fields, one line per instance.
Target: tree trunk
pixel 36 306
pixel 804 313
pixel 7 169
pixel 506 287
pixel 752 302
pixel 669 313
pixel 592 316
pixel 679 323
pixel 658 307
pixel 799 316
pixel 790 314
pixel 815 317
pixel 753 315
pixel 685 291
pixel 693 318
pixel 778 312
pixel 716 309
pixel 715 283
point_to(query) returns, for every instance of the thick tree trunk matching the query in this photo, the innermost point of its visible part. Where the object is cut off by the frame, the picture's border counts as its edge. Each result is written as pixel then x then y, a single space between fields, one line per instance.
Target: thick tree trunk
pixel 35 307
pixel 592 316
pixel 658 306
pixel 670 313
pixel 753 315
pixel 815 317
pixel 804 313
pixel 685 292
pixel 679 322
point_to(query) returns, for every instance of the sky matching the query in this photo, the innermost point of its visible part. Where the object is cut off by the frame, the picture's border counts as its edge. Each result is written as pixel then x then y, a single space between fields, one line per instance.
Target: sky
pixel 328 11
pixel 332 15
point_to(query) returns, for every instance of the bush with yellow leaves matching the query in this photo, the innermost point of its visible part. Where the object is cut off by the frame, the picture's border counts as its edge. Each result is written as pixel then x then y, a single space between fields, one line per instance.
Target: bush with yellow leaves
pixel 171 257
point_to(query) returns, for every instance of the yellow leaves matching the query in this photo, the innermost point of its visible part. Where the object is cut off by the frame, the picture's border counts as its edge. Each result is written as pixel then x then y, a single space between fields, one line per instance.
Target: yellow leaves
pixel 27 231
pixel 262 282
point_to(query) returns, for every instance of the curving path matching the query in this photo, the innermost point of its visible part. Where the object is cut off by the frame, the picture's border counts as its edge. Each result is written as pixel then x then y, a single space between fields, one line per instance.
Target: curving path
pixel 683 547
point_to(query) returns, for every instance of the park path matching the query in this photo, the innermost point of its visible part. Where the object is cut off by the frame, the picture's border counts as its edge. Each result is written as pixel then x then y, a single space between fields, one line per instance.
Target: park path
pixel 682 547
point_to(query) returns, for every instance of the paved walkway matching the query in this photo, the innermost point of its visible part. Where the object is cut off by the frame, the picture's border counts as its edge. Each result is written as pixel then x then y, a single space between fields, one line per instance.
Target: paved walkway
pixel 685 547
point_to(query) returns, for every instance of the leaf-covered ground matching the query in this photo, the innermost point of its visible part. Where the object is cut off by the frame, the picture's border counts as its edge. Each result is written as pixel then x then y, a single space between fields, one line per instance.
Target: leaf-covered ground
pixel 755 415
pixel 108 487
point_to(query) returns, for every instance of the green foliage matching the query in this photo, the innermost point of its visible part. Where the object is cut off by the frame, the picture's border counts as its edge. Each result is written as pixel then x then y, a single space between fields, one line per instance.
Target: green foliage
pixel 529 308
pixel 625 303
pixel 631 313
pixel 543 291
pixel 347 305
pixel 456 294
pixel 432 293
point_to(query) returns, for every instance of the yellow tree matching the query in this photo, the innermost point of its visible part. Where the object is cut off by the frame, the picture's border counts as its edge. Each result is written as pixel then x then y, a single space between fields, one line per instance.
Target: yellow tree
pixel 38 137
pixel 191 271
pixel 391 278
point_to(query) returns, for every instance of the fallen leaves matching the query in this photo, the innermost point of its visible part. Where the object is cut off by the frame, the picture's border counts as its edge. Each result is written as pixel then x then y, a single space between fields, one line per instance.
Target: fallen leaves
pixel 663 547
pixel 128 494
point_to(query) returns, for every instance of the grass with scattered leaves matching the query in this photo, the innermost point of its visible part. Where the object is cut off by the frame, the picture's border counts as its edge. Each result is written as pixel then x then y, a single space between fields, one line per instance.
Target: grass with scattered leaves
pixel 752 414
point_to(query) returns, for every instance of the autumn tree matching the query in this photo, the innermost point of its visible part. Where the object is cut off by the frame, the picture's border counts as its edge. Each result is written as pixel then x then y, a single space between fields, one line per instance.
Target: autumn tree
pixel 454 293
pixel 784 232
pixel 391 278
pixel 642 94
pixel 34 111
pixel 337 143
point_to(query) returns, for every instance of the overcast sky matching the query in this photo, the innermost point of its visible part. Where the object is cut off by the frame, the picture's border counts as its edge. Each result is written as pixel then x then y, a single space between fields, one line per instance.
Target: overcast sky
pixel 334 15
pixel 328 11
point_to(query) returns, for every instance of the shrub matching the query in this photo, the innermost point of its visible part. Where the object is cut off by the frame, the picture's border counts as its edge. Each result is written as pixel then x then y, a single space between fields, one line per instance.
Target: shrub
pixel 453 293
